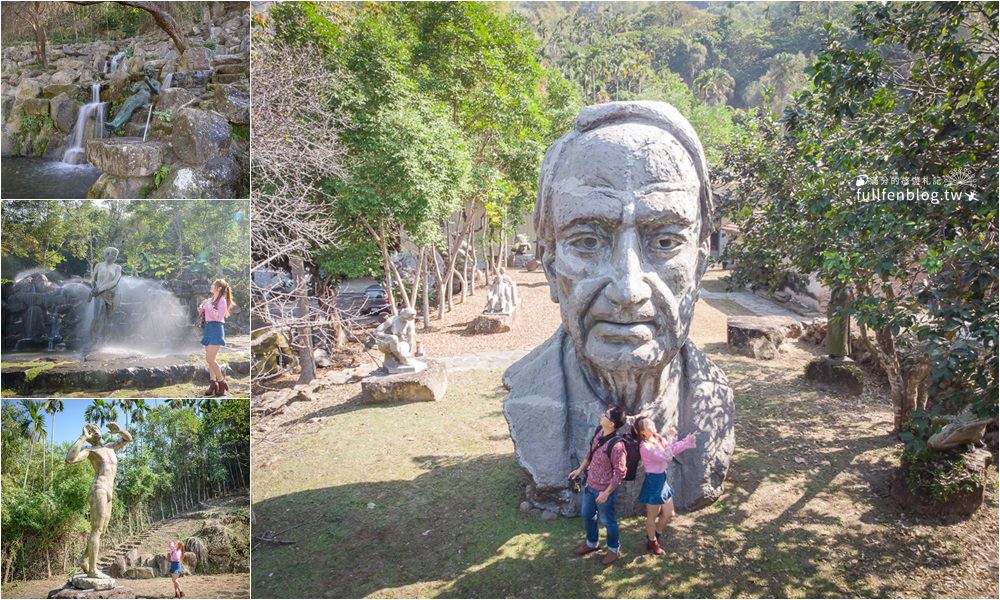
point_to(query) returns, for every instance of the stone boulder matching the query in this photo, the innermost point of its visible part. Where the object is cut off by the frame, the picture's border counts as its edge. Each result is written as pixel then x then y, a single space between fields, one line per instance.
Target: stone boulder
pixel 192 80
pixel 35 106
pixel 199 135
pixel 190 561
pixel 196 58
pixel 840 376
pixel 118 567
pixel 140 573
pixel 65 77
pixel 28 88
pixel 424 386
pixel 173 98
pixel 488 323
pixel 63 109
pixel 963 429
pixel 234 103
pixel 55 89
pixel 112 186
pixel 218 178
pixel 125 157
pixel 760 337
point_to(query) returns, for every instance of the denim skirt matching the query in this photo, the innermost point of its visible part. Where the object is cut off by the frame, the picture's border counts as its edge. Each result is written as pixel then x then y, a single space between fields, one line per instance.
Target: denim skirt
pixel 655 489
pixel 215 334
pixel 175 567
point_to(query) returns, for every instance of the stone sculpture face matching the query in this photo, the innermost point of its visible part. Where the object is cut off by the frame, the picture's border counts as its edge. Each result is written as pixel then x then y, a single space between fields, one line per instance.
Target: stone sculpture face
pixel 628 251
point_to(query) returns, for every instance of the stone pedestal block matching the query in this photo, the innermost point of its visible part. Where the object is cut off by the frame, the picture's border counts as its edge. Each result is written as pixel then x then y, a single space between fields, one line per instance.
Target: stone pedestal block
pixel 487 323
pixel 424 386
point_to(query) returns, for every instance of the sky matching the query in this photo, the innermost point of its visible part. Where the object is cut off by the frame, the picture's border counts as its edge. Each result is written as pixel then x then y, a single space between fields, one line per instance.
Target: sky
pixel 69 422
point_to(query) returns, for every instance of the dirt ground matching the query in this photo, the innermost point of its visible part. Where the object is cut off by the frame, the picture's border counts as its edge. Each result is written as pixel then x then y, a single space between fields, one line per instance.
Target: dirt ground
pixel 410 500
pixel 235 585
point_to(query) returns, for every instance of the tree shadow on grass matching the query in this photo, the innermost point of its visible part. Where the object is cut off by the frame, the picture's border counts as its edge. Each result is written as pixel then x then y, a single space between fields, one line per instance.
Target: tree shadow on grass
pixel 455 530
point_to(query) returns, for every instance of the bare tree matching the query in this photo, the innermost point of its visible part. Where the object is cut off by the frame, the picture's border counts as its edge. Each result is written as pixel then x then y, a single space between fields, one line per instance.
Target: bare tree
pixel 35 15
pixel 296 147
pixel 163 19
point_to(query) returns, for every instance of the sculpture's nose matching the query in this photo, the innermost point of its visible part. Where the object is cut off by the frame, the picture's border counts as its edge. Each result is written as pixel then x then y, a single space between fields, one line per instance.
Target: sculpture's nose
pixel 629 287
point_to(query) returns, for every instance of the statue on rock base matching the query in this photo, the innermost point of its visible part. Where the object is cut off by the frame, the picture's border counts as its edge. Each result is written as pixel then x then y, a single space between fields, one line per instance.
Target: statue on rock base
pixel 396 338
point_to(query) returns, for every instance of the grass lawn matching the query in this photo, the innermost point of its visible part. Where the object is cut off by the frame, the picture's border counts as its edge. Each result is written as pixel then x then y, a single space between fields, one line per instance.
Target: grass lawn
pixel 411 500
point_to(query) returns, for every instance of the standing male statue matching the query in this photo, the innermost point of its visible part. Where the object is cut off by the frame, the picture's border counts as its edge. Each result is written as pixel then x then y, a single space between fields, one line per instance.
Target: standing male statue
pixel 104 280
pixel 105 463
pixel 396 338
pixel 623 217
pixel 503 298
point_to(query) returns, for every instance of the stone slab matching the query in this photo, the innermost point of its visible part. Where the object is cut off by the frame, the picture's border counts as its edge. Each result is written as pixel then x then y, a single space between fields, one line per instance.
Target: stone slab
pixel 125 158
pixel 83 582
pixel 488 323
pixel 425 386
pixel 71 592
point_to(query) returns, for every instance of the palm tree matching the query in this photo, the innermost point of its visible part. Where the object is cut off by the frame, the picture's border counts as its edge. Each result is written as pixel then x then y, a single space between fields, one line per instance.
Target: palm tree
pixel 139 411
pixel 101 412
pixel 714 86
pixel 34 428
pixel 53 406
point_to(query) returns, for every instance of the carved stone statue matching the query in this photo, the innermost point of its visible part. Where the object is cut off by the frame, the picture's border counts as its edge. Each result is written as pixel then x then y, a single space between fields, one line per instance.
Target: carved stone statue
pixel 142 94
pixel 521 244
pixel 838 328
pixel 104 279
pixel 105 462
pixel 623 218
pixel 503 297
pixel 396 338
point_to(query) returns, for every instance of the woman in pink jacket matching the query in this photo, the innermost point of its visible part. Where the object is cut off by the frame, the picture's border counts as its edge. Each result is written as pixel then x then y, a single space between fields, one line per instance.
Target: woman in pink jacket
pixel 215 310
pixel 656 452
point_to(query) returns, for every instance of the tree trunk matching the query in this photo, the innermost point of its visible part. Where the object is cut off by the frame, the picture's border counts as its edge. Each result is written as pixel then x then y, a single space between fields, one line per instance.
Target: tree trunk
pixel 303 334
pixel 163 19
pixel 427 288
pixel 440 283
pixel 40 42
pixel 475 263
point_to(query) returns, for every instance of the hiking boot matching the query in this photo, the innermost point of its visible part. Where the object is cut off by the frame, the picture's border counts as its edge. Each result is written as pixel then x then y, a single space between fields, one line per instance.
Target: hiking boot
pixel 583 549
pixel 610 557
pixel 212 388
pixel 653 547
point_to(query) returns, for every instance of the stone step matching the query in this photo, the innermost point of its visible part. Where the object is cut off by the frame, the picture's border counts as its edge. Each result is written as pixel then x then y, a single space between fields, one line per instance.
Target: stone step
pixel 228 59
pixel 230 69
pixel 229 78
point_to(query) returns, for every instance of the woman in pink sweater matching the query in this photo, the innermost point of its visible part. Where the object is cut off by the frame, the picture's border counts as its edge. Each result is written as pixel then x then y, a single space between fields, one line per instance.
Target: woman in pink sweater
pixel 656 452
pixel 215 310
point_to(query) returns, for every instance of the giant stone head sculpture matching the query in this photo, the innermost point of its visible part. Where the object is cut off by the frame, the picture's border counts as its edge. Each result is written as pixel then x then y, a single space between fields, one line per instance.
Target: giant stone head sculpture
pixel 623 219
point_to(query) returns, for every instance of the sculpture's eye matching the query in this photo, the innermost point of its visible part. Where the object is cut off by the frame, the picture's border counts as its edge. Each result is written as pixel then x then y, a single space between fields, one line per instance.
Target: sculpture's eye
pixel 587 243
pixel 665 243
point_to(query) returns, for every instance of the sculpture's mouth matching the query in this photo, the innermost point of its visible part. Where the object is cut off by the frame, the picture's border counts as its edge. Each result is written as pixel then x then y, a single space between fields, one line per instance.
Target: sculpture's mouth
pixel 618 332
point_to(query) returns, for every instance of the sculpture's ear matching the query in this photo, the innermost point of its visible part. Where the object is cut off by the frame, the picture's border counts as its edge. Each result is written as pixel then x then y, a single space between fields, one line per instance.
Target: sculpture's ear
pixel 548 259
pixel 704 253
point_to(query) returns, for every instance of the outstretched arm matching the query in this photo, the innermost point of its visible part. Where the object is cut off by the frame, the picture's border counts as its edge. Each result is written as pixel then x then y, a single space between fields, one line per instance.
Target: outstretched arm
pixel 77 453
pixel 124 436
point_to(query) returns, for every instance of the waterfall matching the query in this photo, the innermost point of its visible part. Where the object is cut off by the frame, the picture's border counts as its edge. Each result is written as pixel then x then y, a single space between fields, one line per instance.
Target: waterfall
pixel 148 115
pixel 116 59
pixel 75 153
pixel 167 81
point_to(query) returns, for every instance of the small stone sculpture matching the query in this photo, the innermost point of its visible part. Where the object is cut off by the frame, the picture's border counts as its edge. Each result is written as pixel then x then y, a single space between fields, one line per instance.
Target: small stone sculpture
pixel 503 297
pixel 521 244
pixel 396 338
pixel 105 279
pixel 623 218
pixel 105 462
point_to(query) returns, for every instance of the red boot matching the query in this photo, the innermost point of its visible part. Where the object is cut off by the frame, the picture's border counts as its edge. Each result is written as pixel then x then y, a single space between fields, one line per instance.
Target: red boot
pixel 221 390
pixel 653 547
pixel 212 388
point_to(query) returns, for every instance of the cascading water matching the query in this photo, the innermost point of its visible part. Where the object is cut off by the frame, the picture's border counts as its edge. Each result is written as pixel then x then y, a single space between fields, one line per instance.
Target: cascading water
pixel 75 153
pixel 116 59
pixel 150 320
